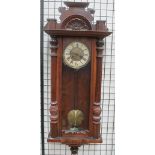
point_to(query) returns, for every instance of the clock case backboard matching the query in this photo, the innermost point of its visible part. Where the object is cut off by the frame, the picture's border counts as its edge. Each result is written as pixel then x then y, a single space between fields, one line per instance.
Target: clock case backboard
pixel 76 89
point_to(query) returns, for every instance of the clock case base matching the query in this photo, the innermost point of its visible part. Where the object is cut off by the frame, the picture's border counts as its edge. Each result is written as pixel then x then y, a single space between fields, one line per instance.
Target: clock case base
pixel 75 137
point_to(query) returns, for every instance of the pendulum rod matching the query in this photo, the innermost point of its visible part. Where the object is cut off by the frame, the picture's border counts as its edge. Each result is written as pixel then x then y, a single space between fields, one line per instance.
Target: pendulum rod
pixel 75 89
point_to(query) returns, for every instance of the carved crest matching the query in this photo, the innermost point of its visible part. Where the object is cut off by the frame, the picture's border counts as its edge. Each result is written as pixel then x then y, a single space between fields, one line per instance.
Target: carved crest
pixel 77 24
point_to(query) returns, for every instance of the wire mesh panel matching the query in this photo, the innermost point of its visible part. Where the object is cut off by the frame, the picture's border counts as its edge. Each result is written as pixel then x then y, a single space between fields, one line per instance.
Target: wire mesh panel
pixel 104 10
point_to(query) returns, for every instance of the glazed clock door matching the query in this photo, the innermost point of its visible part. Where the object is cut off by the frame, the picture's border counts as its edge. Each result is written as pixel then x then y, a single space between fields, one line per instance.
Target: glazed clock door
pixel 76 73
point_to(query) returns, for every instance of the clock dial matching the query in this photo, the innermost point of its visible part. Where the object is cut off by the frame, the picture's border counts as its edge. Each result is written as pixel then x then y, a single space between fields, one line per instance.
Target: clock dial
pixel 76 55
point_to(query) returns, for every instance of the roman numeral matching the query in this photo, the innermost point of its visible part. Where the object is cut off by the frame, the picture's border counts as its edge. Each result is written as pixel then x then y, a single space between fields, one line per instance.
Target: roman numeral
pixel 76 64
pixel 81 62
pixel 71 62
pixel 84 59
pixel 68 58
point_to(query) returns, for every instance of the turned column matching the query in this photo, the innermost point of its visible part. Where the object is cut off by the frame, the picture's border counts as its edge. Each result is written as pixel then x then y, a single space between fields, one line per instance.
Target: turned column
pixel 54 104
pixel 100 25
pixel 96 105
pixel 54 114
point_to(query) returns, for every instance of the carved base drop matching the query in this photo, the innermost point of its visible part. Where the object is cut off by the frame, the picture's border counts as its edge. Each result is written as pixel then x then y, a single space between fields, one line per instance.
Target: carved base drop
pixel 74 149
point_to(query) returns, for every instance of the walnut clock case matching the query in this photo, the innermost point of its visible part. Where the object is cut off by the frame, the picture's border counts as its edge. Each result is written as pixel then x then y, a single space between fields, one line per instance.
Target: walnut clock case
pixel 76 73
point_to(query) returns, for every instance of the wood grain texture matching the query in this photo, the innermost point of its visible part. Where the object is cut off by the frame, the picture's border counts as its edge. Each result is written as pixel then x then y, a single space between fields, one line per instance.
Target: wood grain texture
pixel 59 82
pixel 89 33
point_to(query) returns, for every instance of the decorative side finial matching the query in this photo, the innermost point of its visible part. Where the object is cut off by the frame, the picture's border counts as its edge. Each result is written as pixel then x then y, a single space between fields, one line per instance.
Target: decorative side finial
pixel 61 9
pixel 92 11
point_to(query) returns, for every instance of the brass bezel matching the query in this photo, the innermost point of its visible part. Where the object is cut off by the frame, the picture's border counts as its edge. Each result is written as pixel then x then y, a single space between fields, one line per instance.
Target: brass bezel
pixel 67 64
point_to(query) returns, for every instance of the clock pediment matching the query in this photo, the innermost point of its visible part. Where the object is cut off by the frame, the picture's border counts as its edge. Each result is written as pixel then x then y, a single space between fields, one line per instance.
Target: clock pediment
pixel 75 19
pixel 77 8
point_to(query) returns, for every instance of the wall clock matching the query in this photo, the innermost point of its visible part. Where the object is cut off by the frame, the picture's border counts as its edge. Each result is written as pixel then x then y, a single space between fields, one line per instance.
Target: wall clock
pixel 76 73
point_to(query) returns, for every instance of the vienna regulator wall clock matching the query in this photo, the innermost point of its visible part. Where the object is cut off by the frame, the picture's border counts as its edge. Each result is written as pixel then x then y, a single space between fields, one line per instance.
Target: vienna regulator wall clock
pixel 76 73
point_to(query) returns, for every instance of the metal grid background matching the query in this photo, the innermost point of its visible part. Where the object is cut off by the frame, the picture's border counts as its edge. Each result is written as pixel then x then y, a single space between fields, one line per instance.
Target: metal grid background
pixel 104 10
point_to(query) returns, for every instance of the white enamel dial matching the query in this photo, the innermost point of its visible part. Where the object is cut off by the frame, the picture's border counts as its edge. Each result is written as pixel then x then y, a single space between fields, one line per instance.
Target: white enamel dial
pixel 76 55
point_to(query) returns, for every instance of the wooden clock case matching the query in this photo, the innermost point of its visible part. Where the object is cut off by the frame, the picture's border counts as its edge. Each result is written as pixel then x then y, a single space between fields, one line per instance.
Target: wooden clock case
pixel 71 88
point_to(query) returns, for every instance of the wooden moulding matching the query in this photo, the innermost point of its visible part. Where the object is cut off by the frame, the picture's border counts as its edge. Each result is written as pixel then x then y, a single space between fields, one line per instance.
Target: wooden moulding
pixel 75 140
pixel 88 33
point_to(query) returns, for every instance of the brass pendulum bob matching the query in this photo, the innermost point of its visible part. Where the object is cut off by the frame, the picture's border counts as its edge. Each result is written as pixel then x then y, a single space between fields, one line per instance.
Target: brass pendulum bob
pixel 75 118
